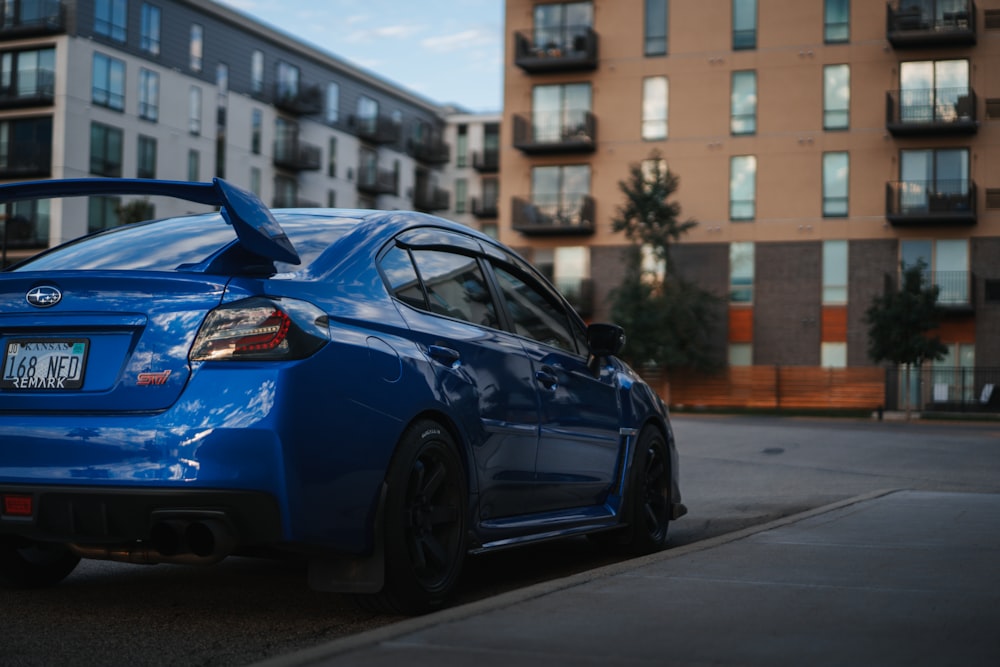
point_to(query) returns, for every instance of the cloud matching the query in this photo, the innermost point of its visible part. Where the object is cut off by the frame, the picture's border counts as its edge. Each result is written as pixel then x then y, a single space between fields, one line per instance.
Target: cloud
pixel 401 31
pixel 457 41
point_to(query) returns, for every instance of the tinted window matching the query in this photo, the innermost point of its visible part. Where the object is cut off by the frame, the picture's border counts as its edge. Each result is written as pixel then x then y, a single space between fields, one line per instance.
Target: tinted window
pixel 397 267
pixel 456 287
pixel 533 313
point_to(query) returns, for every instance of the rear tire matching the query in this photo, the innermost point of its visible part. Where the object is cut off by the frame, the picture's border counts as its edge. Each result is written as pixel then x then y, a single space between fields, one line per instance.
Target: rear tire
pixel 25 564
pixel 424 523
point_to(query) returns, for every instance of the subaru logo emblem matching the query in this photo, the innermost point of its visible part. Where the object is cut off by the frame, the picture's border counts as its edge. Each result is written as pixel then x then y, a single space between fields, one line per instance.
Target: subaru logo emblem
pixel 43 296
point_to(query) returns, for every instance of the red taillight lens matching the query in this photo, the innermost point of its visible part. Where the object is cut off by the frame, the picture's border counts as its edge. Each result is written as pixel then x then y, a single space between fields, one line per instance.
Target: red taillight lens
pixel 17 505
pixel 259 329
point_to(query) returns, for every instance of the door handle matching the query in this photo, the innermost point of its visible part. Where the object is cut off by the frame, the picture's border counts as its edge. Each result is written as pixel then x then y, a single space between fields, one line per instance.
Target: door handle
pixel 444 355
pixel 547 379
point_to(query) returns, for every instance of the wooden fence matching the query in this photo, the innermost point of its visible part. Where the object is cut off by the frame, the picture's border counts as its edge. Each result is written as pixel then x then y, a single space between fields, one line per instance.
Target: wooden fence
pixel 776 387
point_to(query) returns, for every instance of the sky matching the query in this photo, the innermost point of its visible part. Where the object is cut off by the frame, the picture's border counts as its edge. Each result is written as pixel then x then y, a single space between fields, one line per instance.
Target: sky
pixel 448 51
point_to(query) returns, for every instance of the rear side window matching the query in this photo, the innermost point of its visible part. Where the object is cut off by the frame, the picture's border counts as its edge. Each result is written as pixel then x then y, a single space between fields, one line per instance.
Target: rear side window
pixel 456 287
pixel 397 267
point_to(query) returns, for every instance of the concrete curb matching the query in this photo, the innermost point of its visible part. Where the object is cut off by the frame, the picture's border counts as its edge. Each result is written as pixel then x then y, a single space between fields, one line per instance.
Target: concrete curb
pixel 363 640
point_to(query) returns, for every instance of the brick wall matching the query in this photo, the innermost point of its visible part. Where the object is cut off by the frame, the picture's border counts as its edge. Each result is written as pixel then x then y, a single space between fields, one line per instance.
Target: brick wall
pixel 788 284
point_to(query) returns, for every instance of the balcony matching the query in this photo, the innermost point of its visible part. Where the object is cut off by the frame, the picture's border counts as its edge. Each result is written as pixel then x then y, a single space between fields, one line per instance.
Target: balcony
pixel 956 289
pixel 931 23
pixel 580 294
pixel 295 155
pixel 375 129
pixel 375 181
pixel 34 88
pixel 558 132
pixel 487 161
pixel 429 200
pixel 304 101
pixel 484 210
pixel 931 112
pixel 556 49
pixel 433 151
pixel 931 203
pixel 552 216
pixel 32 19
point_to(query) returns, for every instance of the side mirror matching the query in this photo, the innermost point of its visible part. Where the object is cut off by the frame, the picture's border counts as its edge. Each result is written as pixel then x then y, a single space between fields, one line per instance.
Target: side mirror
pixel 605 339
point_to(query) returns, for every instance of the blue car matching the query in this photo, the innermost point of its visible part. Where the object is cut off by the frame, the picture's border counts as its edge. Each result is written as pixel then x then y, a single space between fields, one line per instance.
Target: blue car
pixel 379 392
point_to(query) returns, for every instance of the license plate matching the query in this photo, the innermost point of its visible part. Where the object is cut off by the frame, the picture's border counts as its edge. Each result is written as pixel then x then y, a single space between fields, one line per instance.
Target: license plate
pixel 44 363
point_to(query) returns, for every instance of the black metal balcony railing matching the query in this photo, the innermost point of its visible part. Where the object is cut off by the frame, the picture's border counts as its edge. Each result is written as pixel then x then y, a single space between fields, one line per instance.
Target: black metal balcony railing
pixel 432 151
pixel 931 111
pixel 556 49
pixel 34 88
pixel 487 161
pixel 931 23
pixel 553 215
pixel 429 200
pixel 296 155
pixel 484 208
pixel 292 200
pixel 374 181
pixel 948 202
pixel 298 101
pixel 28 19
pixel 556 132
pixel 375 129
pixel 956 289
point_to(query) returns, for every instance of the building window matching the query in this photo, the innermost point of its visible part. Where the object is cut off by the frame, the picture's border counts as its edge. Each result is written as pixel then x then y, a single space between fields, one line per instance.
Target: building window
pixel 836 97
pixel 367 112
pixel 834 273
pixel 257 72
pixel 833 355
pixel 562 26
pixel 108 84
pixel 286 192
pixel 102 213
pixel 559 111
pixel 462 146
pixel 560 192
pixel 836 21
pixel 740 354
pixel 28 75
pixel 288 81
pixel 331 165
pixel 222 80
pixel 331 199
pixel 194 111
pixel 105 150
pixel 332 103
pixel 934 91
pixel 934 179
pixel 946 264
pixel 26 147
pixel 149 29
pixel 836 176
pixel 255 180
pixel 110 18
pixel 744 24
pixel 741 272
pixel 743 103
pixel 655 101
pixel 197 47
pixel 194 165
pixel 742 187
pixel 256 128
pixel 461 194
pixel 146 158
pixel 657 21
pixel 149 95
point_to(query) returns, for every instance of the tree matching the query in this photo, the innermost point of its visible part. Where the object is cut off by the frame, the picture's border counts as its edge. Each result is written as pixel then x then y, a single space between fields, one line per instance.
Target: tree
pixel 136 210
pixel 667 319
pixel 900 322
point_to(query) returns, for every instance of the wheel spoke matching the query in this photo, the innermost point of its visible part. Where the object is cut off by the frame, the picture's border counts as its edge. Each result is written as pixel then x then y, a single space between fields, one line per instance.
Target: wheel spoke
pixel 442 514
pixel 435 552
pixel 433 480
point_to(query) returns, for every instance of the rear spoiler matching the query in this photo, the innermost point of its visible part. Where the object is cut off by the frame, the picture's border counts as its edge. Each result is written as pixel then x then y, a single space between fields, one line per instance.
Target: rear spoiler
pixel 255 227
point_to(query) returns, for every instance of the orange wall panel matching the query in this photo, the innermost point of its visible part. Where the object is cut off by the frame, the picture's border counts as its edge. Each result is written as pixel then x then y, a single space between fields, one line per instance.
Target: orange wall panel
pixel 834 324
pixel 740 325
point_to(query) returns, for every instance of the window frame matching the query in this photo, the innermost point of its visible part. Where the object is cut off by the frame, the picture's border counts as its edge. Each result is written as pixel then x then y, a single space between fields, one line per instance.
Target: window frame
pixel 735 188
pixel 652 38
pixel 149 95
pixel 111 19
pixel 831 90
pixel 655 122
pixel 738 114
pixel 831 196
pixel 150 22
pixel 114 92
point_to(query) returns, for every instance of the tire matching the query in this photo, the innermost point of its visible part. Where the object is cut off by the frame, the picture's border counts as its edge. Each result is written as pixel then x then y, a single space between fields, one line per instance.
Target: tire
pixel 647 513
pixel 25 565
pixel 424 523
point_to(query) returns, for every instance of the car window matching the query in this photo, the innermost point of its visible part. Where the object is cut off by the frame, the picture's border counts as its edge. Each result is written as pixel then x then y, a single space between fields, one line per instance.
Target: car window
pixel 533 313
pixel 402 279
pixel 455 287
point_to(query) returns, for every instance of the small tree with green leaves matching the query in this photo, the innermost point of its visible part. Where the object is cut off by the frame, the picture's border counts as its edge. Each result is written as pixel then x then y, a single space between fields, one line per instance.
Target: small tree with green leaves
pixel 667 319
pixel 136 210
pixel 900 323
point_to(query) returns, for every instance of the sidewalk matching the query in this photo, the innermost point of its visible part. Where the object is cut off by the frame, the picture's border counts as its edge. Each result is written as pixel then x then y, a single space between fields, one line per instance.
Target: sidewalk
pixel 902 578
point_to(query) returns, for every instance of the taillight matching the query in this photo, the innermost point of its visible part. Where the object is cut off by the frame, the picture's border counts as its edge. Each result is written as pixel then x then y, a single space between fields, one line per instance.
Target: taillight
pixel 260 329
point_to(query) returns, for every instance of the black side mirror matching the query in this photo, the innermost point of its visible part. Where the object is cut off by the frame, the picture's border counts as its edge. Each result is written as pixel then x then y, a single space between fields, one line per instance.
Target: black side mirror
pixel 605 339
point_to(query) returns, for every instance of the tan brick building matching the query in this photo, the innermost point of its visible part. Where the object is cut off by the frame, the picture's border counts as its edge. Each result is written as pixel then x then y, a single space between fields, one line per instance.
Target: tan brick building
pixel 818 143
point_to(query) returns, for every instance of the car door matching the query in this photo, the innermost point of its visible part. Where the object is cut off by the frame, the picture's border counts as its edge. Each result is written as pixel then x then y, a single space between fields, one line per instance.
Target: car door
pixel 479 367
pixel 579 439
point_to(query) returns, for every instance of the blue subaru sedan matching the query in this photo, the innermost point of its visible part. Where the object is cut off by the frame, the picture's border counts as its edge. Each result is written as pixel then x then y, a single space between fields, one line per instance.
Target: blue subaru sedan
pixel 382 393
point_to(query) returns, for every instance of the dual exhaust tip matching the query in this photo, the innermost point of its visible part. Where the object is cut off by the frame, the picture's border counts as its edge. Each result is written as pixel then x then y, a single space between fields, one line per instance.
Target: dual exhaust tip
pixel 206 540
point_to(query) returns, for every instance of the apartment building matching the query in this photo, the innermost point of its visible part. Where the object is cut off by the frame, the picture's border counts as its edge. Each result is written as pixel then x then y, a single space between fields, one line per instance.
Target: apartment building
pixel 819 144
pixel 189 90
pixel 472 175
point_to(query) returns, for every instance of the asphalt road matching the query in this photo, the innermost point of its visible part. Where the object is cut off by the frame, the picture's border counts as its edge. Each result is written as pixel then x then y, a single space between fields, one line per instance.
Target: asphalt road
pixel 735 472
